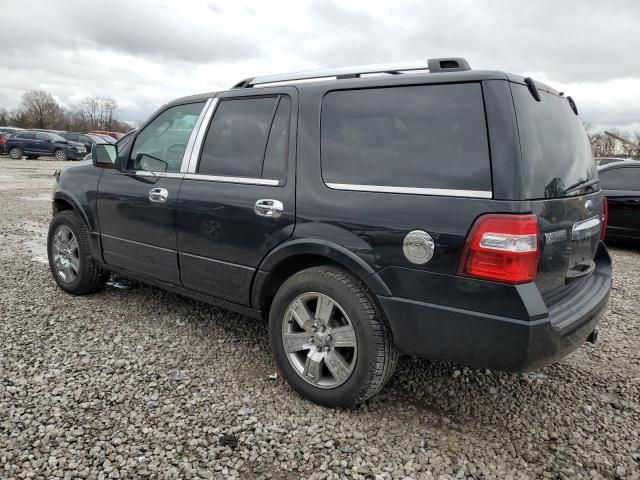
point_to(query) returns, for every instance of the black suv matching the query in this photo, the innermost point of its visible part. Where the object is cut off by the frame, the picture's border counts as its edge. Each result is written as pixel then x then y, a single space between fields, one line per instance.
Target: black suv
pixel 452 214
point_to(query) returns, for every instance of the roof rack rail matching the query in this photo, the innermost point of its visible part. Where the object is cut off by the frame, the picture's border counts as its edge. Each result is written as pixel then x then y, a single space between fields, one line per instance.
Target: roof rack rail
pixel 433 65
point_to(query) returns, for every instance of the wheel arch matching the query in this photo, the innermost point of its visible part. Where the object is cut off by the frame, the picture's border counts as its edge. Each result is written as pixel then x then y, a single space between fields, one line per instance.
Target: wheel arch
pixel 63 200
pixel 300 254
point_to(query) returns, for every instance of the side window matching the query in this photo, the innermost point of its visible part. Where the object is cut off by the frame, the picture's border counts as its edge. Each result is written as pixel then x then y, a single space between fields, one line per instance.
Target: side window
pixel 83 139
pixel 429 136
pixel 160 146
pixel 275 157
pixel 26 136
pixel 620 179
pixel 248 138
pixel 41 136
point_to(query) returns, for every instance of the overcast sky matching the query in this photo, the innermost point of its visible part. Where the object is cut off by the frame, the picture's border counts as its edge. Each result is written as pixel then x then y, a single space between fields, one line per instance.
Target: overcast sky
pixel 146 52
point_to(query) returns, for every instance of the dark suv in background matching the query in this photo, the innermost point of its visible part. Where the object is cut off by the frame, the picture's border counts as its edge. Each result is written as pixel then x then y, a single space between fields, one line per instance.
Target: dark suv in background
pixel 34 144
pixel 86 139
pixel 453 214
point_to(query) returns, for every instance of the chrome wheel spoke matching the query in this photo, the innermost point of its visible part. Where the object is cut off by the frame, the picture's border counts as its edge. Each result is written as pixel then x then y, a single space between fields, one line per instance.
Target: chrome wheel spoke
pixel 337 366
pixel 300 312
pixel 65 254
pixel 319 340
pixel 73 244
pixel 295 342
pixel 343 337
pixel 313 367
pixel 75 264
pixel 324 308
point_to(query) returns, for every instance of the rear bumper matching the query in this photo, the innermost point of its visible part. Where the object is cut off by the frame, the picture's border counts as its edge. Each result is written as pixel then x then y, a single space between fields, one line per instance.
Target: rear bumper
pixel 545 333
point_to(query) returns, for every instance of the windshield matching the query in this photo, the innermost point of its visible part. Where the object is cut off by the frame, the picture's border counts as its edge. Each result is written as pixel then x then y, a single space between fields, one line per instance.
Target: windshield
pixel 96 138
pixel 56 137
pixel 556 152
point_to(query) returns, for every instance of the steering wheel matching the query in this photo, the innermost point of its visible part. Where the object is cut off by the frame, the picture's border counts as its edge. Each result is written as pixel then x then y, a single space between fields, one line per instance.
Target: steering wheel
pixel 175 150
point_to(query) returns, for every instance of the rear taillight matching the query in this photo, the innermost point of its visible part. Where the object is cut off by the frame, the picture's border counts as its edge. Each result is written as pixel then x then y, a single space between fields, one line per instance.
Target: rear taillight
pixel 605 217
pixel 2 140
pixel 502 247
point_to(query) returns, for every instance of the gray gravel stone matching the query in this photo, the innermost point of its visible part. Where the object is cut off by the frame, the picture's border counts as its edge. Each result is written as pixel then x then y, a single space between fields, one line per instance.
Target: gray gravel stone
pixel 134 382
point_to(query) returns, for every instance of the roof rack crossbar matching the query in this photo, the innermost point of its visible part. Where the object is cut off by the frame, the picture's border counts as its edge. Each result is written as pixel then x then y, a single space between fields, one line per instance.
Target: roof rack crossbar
pixel 433 65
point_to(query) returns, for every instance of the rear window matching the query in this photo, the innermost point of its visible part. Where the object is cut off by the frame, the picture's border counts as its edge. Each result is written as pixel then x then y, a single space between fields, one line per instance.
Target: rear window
pixel 426 137
pixel 621 178
pixel 556 152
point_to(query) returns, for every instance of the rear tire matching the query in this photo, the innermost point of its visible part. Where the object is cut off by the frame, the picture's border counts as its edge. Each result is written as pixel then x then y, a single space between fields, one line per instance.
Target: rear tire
pixel 70 260
pixel 361 370
pixel 60 154
pixel 15 153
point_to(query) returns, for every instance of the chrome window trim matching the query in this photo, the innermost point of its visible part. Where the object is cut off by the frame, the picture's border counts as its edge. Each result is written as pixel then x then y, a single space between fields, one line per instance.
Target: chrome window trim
pixel 192 138
pixel 194 155
pixel 224 179
pixel 144 173
pixel 442 192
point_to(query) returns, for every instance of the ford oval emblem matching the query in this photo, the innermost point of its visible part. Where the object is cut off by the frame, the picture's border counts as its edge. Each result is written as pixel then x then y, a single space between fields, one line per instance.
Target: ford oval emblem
pixel 588 206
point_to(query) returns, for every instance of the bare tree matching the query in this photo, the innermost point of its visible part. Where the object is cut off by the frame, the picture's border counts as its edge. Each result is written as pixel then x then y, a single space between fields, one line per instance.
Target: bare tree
pixel 4 116
pixel 96 112
pixel 39 109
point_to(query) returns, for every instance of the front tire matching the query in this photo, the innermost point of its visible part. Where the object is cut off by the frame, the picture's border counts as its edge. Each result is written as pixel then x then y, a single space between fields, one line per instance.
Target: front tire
pixel 70 259
pixel 15 153
pixel 60 154
pixel 329 338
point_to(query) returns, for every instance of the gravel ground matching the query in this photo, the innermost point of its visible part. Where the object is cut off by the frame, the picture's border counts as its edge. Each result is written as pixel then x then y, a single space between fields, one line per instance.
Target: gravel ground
pixel 135 382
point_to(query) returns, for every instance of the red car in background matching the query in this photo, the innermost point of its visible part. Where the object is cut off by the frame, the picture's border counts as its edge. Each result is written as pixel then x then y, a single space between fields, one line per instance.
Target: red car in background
pixel 115 135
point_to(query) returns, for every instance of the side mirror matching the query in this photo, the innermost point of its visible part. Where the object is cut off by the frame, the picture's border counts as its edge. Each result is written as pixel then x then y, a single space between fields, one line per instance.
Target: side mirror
pixel 104 155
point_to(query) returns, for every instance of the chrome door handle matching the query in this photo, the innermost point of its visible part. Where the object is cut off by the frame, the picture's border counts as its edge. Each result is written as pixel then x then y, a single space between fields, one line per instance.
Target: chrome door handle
pixel 269 208
pixel 158 195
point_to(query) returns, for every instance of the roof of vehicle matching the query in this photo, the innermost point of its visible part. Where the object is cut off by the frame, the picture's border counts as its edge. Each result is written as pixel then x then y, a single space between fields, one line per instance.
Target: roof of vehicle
pixel 621 163
pixel 375 75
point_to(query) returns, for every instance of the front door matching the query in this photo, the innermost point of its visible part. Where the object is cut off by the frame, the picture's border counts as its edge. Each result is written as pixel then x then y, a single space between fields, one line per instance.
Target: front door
pixel 137 203
pixel 237 201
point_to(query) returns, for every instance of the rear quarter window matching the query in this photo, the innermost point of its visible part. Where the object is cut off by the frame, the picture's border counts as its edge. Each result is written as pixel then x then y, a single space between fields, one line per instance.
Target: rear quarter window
pixel 428 136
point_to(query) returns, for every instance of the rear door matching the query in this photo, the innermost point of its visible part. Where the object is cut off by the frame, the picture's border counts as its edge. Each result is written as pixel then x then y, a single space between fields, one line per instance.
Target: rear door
pixel 237 200
pixel 42 144
pixel 26 141
pixel 137 205
pixel 621 185
pixel 560 180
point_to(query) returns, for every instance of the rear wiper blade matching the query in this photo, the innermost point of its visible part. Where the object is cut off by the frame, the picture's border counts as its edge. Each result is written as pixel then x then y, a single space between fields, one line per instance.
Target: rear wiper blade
pixel 580 185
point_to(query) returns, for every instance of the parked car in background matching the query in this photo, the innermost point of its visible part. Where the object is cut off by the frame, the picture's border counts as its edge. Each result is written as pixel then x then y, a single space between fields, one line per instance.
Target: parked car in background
pixel 620 182
pixel 601 161
pixel 105 138
pixel 10 129
pixel 36 144
pixel 429 214
pixel 115 135
pixel 87 139
pixel 5 132
pixel 3 143
pixel 122 142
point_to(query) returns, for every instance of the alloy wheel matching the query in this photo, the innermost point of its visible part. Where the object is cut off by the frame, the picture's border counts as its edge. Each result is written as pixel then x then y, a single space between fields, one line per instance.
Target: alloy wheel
pixel 61 154
pixel 66 254
pixel 319 340
pixel 15 153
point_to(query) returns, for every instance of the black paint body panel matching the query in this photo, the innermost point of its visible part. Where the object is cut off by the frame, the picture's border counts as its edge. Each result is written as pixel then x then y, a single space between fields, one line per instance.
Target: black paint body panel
pixel 208 243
